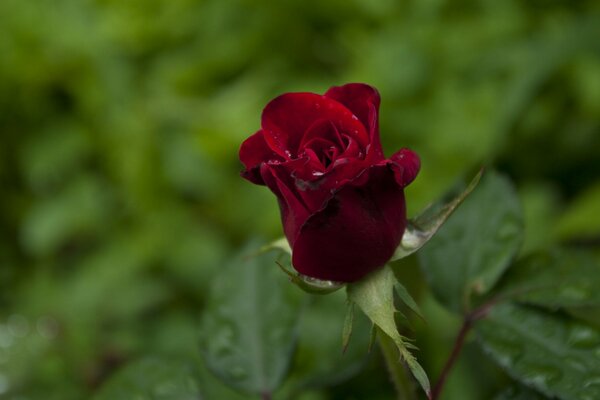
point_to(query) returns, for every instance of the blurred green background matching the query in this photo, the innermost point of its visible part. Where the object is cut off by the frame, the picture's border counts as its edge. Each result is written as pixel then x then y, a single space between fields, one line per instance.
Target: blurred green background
pixel 120 123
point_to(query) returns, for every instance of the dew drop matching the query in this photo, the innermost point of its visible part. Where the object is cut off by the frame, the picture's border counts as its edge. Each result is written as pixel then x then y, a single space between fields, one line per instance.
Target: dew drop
pixel 573 293
pixel 541 375
pixel 507 352
pixel 583 337
pixel 575 364
pixel 238 372
pixel 354 117
pixel 317 173
pixel 594 381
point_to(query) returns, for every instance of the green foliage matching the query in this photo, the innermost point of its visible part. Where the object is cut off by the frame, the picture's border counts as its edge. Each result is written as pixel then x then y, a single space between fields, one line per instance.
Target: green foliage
pixel 559 279
pixel 153 379
pixel 374 295
pixel 545 351
pixel 320 361
pixel 518 393
pixel 120 196
pixel 476 245
pixel 249 327
pixel 423 227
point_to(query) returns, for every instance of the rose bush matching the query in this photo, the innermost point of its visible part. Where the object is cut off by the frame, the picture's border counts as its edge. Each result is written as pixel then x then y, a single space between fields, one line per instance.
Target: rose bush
pixel 342 202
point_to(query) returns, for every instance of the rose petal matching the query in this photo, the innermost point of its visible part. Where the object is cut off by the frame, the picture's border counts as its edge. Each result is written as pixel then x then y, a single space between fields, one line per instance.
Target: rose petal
pixel 357 231
pixel 294 212
pixel 322 129
pixel 286 118
pixel 406 165
pixel 253 152
pixel 363 100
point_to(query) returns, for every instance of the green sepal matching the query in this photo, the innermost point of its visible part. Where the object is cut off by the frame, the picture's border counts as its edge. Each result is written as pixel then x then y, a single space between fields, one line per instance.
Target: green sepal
pixel 279 244
pixel 311 285
pixel 374 295
pixel 306 283
pixel 347 329
pixel 420 229
pixel 407 299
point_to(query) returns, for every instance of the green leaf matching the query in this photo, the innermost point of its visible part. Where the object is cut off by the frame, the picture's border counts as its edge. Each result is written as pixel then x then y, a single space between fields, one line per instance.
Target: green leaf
pixel 519 393
pixel 320 360
pixel 374 295
pixel 420 230
pixel 153 378
pixel 472 250
pixel 279 244
pixel 249 327
pixel 557 279
pixel 553 354
pixel 582 218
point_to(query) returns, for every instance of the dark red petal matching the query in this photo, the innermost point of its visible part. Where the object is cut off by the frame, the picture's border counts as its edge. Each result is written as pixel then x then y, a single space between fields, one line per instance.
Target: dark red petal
pixel 322 129
pixel 356 233
pixel 286 118
pixel 294 212
pixel 253 152
pixel 363 100
pixel 406 165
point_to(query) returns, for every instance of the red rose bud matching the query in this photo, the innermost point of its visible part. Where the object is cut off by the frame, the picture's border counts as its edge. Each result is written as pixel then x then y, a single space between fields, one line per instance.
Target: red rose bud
pixel 342 202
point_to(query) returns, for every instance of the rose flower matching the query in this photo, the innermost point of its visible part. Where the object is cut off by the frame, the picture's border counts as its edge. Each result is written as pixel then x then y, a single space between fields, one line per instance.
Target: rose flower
pixel 342 202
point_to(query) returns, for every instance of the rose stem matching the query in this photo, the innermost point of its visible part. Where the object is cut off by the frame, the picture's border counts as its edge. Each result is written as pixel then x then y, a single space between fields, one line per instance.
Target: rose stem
pixel 398 374
pixel 468 322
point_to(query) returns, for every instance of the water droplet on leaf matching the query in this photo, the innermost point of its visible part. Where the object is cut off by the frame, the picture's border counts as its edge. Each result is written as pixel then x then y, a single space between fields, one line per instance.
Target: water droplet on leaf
pixel 575 364
pixel 541 375
pixel 583 337
pixel 238 373
pixel 574 293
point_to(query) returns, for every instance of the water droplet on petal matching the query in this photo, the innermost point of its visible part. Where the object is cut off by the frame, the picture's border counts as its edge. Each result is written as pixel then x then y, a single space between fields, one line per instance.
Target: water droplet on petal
pixel 317 173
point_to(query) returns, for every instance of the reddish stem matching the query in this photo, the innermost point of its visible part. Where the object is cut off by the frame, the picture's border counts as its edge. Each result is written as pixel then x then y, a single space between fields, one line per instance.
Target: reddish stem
pixel 468 322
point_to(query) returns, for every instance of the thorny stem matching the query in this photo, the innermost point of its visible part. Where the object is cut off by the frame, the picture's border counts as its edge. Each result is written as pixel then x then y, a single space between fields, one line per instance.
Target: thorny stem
pixel 468 322
pixel 398 373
